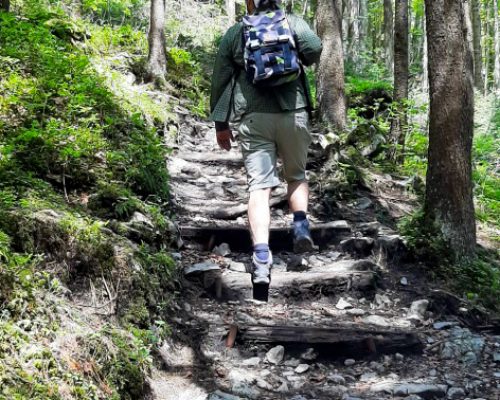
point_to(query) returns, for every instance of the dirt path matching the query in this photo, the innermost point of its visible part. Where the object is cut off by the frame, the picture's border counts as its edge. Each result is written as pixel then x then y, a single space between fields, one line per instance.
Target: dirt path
pixel 353 320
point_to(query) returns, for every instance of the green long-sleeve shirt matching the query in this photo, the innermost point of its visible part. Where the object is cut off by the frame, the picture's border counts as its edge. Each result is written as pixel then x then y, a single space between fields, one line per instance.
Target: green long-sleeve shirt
pixel 227 103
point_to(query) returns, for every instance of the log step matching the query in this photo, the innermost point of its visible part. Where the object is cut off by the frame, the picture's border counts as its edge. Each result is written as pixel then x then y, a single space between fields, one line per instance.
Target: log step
pixel 238 236
pixel 299 286
pixel 341 340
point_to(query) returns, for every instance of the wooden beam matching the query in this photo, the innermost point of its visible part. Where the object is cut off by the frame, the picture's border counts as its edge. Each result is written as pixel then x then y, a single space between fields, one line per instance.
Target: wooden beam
pixel 299 285
pixel 354 338
pixel 238 236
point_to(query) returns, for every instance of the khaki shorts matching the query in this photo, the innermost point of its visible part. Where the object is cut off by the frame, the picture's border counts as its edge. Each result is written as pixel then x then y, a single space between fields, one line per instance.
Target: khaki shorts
pixel 264 136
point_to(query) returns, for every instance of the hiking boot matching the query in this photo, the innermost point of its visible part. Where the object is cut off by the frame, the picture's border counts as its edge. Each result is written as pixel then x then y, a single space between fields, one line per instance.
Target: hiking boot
pixel 261 273
pixel 302 241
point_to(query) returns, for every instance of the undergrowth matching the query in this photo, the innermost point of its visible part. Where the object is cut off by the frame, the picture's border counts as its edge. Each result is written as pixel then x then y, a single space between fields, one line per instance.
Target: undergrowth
pixel 477 280
pixel 75 162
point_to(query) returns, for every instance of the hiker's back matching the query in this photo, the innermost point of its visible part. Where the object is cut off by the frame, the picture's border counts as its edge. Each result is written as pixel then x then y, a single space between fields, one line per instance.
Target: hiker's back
pixel 248 97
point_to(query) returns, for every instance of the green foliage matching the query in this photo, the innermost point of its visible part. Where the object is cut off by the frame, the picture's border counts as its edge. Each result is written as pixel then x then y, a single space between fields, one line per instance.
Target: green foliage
pixel 152 287
pixel 114 201
pixel 120 360
pixel 478 279
pixel 424 240
pixel 29 368
pixel 356 86
pixel 115 11
pixel 66 136
pixel 186 72
pixel 71 127
pixel 107 39
pixel 311 81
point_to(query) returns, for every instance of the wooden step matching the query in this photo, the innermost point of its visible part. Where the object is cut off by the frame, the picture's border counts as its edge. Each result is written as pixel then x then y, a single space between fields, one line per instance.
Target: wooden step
pixel 349 339
pixel 281 238
pixel 300 285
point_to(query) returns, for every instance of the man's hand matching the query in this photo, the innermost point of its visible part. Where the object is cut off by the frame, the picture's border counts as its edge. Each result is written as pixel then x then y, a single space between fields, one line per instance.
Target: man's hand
pixel 224 139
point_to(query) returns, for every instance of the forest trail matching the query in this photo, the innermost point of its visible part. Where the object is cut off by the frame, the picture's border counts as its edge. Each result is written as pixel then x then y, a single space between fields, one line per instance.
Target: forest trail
pixel 353 320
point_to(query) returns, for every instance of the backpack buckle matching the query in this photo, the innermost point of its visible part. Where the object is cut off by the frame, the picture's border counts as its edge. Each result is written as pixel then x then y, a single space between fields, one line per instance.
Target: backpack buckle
pixel 254 44
pixel 283 38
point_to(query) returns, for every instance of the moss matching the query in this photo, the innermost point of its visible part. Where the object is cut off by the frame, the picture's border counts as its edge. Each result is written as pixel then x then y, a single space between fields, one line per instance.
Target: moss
pixel 120 359
pixel 152 288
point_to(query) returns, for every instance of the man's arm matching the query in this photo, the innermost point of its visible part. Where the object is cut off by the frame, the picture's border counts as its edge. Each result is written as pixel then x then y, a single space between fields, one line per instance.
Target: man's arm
pixel 309 44
pixel 223 72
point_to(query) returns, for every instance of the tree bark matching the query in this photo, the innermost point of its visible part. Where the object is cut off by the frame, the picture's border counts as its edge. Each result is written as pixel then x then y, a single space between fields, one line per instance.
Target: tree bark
pixel 467 10
pixel 352 32
pixel 331 93
pixel 231 11
pixel 389 35
pixel 486 49
pixel 400 119
pixel 425 61
pixel 478 53
pixel 5 5
pixel 157 58
pixel 363 28
pixel 449 198
pixel 496 71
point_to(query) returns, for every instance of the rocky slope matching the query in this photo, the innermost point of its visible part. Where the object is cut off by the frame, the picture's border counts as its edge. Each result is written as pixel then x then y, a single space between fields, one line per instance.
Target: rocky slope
pixel 353 320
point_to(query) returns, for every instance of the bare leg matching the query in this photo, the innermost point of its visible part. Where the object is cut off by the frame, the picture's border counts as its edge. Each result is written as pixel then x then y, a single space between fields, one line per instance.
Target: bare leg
pixel 259 215
pixel 298 196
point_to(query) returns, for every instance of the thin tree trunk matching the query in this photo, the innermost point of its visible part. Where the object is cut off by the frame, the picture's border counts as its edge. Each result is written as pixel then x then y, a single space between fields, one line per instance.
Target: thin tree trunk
pixel 331 93
pixel 389 35
pixel 345 24
pixel 231 11
pixel 425 61
pixel 478 53
pixel 496 71
pixel 157 58
pixel 353 33
pixel 363 27
pixel 467 10
pixel 449 198
pixel 399 121
pixel 5 5
pixel 416 25
pixel 486 49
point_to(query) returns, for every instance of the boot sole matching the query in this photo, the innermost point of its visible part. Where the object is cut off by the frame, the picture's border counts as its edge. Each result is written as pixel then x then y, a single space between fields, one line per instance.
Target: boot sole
pixel 303 245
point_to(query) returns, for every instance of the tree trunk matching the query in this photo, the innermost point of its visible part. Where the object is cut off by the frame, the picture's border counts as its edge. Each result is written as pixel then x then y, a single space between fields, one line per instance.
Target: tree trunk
pixel 389 35
pixel 157 58
pixel 425 61
pixel 352 33
pixel 363 28
pixel 478 53
pixel 399 121
pixel 496 71
pixel 486 49
pixel 231 11
pixel 331 93
pixel 5 5
pixel 467 10
pixel 449 198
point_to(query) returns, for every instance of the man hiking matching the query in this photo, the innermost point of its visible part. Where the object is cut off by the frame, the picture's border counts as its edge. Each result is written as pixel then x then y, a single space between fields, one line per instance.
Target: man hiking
pixel 258 82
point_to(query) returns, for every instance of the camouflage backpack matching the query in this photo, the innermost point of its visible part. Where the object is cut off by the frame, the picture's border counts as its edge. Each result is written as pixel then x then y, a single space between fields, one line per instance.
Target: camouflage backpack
pixel 270 50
